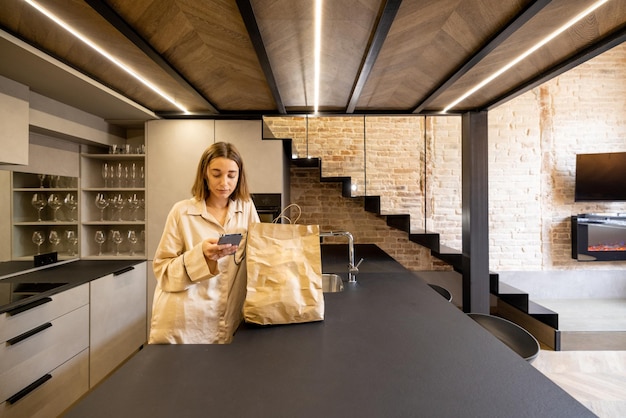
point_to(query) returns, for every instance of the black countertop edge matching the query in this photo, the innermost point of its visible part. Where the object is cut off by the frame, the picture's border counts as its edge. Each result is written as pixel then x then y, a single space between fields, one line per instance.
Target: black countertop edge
pixel 72 273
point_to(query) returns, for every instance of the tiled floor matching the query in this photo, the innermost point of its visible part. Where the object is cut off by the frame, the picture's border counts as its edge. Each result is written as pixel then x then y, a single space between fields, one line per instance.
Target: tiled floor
pixel 588 314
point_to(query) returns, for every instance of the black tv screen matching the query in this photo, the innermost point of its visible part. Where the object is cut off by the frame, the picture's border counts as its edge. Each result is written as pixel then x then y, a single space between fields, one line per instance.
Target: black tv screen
pixel 600 177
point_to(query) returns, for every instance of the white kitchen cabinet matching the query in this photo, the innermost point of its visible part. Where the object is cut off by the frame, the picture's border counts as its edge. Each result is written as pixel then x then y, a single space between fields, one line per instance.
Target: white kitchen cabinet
pixel 42 354
pixel 118 319
pixel 25 219
pixel 14 117
pixel 120 179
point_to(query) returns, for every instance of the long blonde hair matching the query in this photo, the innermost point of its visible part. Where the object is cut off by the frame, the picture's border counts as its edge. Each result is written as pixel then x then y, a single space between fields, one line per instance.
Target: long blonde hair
pixel 200 188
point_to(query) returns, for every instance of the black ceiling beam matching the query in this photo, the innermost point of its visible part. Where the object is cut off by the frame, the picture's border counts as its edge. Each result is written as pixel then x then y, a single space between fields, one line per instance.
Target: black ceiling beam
pixel 603 45
pixel 380 34
pixel 245 9
pixel 125 29
pixel 521 19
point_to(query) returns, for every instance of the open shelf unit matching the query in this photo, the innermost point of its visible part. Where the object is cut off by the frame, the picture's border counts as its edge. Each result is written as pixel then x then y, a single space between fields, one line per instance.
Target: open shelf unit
pixel 25 220
pixel 120 182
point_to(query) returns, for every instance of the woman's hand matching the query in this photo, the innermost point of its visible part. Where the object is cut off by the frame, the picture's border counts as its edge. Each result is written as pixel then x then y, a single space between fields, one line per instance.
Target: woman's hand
pixel 213 251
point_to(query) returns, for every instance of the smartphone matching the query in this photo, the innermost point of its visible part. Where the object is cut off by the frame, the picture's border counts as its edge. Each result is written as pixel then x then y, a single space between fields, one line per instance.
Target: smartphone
pixel 234 239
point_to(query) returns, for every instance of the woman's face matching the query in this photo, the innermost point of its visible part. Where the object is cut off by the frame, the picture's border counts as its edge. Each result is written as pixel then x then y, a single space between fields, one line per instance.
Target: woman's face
pixel 222 177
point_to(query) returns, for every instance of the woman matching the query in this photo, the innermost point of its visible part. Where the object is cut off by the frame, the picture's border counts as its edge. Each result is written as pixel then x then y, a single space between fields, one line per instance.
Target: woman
pixel 201 285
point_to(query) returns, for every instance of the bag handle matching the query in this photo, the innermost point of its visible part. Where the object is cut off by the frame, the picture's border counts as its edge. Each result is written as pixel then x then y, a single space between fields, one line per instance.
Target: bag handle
pixel 283 216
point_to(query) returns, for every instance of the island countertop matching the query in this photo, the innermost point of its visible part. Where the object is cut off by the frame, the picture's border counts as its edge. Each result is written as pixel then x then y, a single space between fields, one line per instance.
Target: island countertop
pixel 389 346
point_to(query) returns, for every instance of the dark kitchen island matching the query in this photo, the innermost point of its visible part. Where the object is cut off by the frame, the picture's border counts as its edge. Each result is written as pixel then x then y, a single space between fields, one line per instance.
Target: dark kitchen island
pixel 389 346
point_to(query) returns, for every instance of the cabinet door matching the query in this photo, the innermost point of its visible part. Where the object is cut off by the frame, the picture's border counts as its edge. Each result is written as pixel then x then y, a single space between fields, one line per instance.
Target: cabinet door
pixel 118 320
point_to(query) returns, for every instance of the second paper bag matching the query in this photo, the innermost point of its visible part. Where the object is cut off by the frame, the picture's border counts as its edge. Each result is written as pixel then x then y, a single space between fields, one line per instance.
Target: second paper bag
pixel 284 274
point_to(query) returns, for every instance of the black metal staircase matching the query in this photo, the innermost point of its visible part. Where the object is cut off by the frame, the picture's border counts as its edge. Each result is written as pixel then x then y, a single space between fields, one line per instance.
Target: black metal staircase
pixel 451 256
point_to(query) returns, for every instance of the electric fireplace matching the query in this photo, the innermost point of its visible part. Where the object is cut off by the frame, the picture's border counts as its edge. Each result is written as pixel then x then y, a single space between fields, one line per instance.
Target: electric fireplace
pixel 599 237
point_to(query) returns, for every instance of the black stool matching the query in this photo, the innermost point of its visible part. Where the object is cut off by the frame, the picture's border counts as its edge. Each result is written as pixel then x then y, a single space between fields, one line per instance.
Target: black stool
pixel 511 334
pixel 443 292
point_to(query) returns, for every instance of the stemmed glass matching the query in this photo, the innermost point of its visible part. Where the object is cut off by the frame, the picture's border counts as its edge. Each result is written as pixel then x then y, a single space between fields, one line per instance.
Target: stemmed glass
pixel 42 177
pixel 105 174
pixel 133 204
pixel 55 203
pixel 71 203
pixel 72 240
pixel 119 203
pixel 101 203
pixel 132 239
pixel 117 239
pixel 39 202
pixel 54 239
pixel 38 239
pixel 119 171
pixel 100 238
pixel 133 175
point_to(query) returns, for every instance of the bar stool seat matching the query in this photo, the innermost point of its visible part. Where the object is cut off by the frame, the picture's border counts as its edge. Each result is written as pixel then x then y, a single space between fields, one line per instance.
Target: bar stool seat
pixel 442 291
pixel 511 334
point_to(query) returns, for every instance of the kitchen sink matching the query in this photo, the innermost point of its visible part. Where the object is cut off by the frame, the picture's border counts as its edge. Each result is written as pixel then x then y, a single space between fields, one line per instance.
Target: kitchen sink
pixel 331 283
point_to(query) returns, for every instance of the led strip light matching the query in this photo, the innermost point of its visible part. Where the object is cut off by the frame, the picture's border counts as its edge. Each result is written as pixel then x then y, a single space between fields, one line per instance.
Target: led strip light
pixel 532 49
pixel 104 53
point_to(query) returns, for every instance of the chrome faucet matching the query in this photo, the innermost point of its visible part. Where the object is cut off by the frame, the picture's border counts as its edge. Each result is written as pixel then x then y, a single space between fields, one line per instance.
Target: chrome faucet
pixel 352 268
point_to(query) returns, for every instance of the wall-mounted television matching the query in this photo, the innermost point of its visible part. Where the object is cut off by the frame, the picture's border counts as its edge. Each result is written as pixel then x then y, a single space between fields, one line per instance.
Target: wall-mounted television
pixel 600 177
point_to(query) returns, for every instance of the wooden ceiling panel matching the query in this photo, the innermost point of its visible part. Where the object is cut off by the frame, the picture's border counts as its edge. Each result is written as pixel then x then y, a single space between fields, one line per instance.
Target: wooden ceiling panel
pixel 575 39
pixel 287 29
pixel 208 44
pixel 255 57
pixel 38 30
pixel 428 41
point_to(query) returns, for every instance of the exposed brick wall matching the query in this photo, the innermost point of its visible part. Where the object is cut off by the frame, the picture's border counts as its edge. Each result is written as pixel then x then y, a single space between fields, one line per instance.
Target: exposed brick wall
pixel 414 164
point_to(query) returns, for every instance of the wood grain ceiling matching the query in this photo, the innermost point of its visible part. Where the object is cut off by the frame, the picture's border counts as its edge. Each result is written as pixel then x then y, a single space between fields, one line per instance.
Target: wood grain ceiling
pixel 253 57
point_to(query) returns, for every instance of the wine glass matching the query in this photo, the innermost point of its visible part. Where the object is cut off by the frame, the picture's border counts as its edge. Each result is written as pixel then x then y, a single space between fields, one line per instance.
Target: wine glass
pixel 54 239
pixel 71 203
pixel 42 177
pixel 105 174
pixel 133 204
pixel 55 203
pixel 133 175
pixel 119 203
pixel 100 238
pixel 132 239
pixel 117 239
pixel 39 202
pixel 142 176
pixel 101 203
pixel 119 171
pixel 38 239
pixel 72 240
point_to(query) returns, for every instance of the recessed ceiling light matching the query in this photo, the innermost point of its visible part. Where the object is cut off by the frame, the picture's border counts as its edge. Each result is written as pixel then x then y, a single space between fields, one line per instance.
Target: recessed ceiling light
pixel 526 53
pixel 104 53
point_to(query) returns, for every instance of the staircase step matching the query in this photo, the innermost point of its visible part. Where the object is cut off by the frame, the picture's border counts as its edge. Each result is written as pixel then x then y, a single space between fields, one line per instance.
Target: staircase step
pixel 306 162
pixel 513 296
pixel 451 256
pixel 400 222
pixel 372 204
pixel 520 300
pixel 346 184
pixel 426 239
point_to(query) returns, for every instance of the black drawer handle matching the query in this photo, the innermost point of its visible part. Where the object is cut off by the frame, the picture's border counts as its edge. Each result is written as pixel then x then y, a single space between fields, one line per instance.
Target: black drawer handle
pixel 124 270
pixel 28 389
pixel 28 306
pixel 28 334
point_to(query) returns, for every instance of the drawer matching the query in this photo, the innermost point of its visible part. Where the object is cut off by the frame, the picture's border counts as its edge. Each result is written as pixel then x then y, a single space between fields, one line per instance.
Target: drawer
pixel 27 360
pixel 61 303
pixel 65 385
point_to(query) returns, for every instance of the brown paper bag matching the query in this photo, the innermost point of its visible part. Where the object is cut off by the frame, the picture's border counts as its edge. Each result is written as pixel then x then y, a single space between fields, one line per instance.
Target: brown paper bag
pixel 284 274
